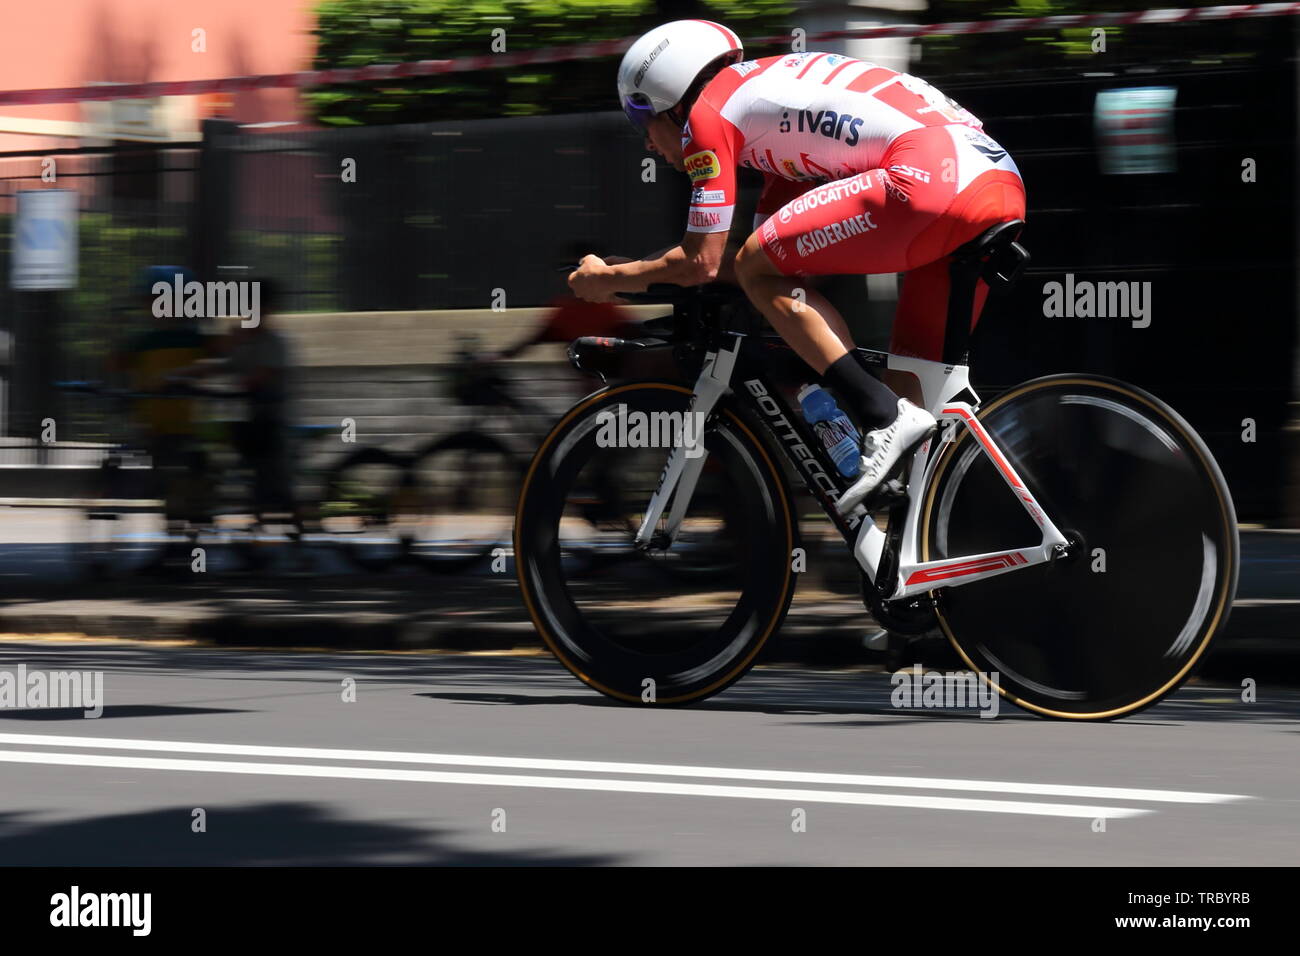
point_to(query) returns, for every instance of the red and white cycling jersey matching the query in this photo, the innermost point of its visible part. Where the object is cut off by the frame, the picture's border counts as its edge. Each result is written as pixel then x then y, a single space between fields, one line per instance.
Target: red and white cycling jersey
pixel 805 117
pixel 865 171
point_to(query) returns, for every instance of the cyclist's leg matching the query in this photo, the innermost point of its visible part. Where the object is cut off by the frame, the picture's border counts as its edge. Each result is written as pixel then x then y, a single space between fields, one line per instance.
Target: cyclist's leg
pixel 765 281
pixel 170 470
pixel 268 455
pixel 991 197
pixel 803 316
pixel 865 224
pixel 280 479
pixel 173 480
pixel 773 267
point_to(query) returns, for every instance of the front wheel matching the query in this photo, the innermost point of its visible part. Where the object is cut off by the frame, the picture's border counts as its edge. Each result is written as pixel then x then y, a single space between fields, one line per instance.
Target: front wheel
pixel 1152 570
pixel 608 614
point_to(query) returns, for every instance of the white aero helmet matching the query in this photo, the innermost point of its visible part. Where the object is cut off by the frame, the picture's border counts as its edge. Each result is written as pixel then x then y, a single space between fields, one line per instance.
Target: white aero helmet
pixel 660 67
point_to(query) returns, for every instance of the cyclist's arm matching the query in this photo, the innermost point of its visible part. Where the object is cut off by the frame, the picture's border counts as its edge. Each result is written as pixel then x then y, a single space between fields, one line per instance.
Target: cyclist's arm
pixel 730 253
pixel 709 153
pixel 658 253
pixel 510 351
pixel 696 259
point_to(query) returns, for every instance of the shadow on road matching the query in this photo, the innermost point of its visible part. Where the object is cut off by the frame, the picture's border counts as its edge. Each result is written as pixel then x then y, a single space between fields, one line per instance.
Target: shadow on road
pixel 283 834
pixel 476 681
pixel 112 712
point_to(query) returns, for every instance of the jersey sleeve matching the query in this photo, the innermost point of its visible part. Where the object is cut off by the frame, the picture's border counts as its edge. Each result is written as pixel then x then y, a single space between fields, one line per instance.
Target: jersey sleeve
pixel 709 147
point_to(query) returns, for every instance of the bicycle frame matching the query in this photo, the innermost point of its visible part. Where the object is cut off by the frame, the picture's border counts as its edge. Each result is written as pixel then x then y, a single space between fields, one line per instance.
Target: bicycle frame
pixel 947 394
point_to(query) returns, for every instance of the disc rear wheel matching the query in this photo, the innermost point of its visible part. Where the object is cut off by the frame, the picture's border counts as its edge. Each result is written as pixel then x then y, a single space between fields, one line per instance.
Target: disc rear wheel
pixel 1152 563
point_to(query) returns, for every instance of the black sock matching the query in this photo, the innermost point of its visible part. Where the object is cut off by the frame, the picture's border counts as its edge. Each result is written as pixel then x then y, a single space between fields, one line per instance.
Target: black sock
pixel 870 399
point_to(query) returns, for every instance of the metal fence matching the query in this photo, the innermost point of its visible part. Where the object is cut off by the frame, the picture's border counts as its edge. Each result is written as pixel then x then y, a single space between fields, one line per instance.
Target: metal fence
pixel 430 215
pixel 135 205
pixel 470 214
pixel 1218 248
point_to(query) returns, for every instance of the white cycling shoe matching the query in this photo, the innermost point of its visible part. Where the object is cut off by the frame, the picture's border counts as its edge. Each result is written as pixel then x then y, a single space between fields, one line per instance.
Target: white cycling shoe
pixel 882 448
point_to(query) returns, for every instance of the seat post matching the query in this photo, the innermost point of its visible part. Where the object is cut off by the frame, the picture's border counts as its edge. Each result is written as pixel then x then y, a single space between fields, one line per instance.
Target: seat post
pixel 996 257
pixel 963 275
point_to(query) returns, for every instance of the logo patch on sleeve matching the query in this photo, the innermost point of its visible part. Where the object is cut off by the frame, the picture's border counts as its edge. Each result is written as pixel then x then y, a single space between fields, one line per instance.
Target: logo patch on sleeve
pixel 708 197
pixel 703 165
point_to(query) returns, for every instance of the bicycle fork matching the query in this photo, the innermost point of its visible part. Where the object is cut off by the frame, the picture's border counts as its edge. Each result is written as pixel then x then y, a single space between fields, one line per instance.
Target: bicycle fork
pixel 682 472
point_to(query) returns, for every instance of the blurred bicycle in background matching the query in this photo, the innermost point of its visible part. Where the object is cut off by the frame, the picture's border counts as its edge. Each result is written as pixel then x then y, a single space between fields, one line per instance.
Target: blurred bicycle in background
pixel 147 516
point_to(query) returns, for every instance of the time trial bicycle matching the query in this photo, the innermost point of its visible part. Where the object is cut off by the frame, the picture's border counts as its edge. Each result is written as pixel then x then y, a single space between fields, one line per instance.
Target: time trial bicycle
pixel 1074 539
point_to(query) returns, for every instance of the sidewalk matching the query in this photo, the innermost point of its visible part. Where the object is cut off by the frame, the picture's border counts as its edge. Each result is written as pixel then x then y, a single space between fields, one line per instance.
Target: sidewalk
pixel 410 610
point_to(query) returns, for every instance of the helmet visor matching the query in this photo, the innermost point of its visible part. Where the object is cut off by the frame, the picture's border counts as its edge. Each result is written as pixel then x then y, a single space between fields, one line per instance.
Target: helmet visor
pixel 636 107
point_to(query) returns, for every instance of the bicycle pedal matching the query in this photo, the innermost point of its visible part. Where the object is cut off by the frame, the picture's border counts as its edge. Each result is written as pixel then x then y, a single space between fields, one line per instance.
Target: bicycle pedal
pixel 889 492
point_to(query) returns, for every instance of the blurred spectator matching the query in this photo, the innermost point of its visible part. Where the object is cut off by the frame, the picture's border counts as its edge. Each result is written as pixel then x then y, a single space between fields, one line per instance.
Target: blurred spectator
pixel 259 359
pixel 568 317
pixel 166 424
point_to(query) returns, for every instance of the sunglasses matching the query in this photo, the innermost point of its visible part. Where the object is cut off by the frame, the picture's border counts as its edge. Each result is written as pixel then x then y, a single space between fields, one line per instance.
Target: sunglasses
pixel 636 107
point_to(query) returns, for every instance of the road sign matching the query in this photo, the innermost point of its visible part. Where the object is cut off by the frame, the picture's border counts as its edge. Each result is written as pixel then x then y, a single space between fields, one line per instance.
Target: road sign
pixel 138 119
pixel 44 255
pixel 1135 129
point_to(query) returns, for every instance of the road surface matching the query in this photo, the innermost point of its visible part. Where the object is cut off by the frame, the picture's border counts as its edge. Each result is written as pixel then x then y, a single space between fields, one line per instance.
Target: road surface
pixel 495 759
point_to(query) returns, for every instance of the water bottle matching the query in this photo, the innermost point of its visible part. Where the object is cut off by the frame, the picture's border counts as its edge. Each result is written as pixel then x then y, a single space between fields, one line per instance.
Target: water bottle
pixel 833 427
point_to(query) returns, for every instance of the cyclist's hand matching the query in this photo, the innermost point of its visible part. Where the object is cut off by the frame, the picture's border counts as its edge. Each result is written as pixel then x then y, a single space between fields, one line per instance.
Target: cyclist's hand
pixel 591 280
pixel 481 360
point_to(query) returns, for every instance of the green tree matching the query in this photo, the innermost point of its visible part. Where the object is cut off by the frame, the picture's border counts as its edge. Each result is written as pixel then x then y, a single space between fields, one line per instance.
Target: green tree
pixel 353 33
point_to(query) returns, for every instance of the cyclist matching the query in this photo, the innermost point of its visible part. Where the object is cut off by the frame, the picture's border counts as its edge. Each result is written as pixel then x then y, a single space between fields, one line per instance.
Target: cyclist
pixel 167 424
pixel 258 356
pixel 865 170
pixel 149 357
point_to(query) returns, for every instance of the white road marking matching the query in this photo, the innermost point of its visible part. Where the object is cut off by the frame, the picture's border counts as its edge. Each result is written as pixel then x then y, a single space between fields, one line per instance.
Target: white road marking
pixel 574 783
pixel 615 767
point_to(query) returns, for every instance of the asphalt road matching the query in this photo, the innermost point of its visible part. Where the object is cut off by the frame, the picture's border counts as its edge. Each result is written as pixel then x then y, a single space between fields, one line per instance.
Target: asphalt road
pixel 460 759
